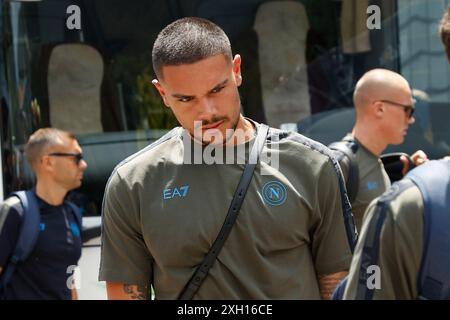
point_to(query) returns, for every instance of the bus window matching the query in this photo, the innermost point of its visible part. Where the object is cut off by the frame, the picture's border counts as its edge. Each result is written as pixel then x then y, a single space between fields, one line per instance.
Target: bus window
pixel 424 64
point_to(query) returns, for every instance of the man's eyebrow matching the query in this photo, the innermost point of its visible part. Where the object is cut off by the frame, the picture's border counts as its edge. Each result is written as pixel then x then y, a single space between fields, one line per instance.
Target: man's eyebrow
pixel 185 96
pixel 224 82
pixel 182 96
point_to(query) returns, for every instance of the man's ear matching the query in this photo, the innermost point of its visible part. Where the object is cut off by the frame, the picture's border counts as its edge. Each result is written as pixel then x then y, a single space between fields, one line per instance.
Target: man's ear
pixel 378 109
pixel 161 91
pixel 45 163
pixel 237 69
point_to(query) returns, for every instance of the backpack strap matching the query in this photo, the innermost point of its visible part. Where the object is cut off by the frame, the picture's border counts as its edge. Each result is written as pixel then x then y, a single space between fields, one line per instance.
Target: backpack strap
pixel 433 180
pixel 371 249
pixel 76 213
pixel 28 234
pixel 338 293
pixel 347 148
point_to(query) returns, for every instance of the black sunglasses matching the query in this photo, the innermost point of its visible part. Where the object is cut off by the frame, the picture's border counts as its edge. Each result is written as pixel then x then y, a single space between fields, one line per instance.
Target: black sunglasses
pixel 77 156
pixel 409 109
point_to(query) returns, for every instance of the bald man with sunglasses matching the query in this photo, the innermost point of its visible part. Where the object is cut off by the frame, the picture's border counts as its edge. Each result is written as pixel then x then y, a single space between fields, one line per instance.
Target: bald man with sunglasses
pixel 412 216
pixel 57 160
pixel 384 111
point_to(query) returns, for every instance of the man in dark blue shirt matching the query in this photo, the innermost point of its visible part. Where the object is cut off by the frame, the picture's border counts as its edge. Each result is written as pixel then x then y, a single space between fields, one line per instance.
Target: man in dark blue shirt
pixel 57 160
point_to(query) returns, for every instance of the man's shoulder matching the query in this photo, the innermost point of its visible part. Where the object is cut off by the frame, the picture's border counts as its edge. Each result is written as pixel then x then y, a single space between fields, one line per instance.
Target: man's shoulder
pixel 404 208
pixel 421 195
pixel 154 152
pixel 299 142
pixel 407 203
pixel 311 156
pixel 139 165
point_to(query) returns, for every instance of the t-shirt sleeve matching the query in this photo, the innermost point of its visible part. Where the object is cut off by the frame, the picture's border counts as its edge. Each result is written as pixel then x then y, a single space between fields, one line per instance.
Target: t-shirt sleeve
pixel 330 247
pixel 125 257
pixel 10 220
pixel 400 252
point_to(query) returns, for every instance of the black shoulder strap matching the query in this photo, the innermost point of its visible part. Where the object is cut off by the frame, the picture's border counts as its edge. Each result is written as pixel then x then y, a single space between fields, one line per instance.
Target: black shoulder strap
pixel 28 234
pixel 371 249
pixel 202 270
pixel 348 148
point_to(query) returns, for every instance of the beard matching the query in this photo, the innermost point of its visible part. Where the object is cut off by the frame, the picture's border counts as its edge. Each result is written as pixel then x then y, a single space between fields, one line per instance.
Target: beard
pixel 223 137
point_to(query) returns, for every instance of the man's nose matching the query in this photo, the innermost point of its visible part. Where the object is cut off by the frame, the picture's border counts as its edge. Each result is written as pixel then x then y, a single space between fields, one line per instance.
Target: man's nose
pixel 83 164
pixel 207 108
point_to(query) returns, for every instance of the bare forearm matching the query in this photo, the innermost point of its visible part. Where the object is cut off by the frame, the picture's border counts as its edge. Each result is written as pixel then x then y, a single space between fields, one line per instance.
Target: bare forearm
pixel 121 291
pixel 329 282
pixel 74 294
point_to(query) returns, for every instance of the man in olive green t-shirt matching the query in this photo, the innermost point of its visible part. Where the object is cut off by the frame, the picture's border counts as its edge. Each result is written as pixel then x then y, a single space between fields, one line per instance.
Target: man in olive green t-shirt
pixel 400 249
pixel 161 214
pixel 384 108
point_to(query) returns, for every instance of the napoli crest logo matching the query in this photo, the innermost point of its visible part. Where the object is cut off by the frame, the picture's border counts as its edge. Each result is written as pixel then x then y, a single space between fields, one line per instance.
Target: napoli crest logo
pixel 274 193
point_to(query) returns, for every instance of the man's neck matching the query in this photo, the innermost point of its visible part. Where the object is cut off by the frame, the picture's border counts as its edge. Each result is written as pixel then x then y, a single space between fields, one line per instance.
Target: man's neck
pixel 244 126
pixel 368 138
pixel 50 193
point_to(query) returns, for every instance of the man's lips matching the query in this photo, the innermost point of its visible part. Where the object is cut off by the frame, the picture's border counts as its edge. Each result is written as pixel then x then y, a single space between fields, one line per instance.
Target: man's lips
pixel 213 125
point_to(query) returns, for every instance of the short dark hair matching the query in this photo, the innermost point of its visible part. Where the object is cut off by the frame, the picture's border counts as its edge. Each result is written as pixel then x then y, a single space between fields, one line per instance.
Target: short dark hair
pixel 43 139
pixel 444 30
pixel 188 40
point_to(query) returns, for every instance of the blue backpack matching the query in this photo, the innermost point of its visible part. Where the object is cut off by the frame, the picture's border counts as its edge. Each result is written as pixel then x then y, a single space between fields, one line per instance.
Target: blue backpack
pixel 433 181
pixel 29 233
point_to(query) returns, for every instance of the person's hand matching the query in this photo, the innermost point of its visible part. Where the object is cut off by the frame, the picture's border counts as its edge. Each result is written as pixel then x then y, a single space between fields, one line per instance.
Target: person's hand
pixel 419 157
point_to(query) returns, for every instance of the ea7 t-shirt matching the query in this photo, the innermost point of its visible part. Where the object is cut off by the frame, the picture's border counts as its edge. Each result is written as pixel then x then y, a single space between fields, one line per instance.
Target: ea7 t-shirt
pixel 161 216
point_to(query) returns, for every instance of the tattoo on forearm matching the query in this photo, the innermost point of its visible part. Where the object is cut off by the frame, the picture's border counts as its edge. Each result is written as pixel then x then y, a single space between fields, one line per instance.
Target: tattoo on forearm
pixel 327 283
pixel 137 292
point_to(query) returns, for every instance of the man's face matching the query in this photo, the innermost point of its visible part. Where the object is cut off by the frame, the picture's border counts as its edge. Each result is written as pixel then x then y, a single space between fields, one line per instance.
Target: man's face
pixel 397 120
pixel 66 171
pixel 204 96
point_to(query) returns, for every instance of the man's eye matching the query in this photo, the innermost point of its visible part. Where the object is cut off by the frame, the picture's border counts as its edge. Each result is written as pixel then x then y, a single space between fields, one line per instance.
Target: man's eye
pixel 185 99
pixel 216 90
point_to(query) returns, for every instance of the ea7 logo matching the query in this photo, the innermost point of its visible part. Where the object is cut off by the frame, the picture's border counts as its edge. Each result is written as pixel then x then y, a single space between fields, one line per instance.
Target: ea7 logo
pixel 175 192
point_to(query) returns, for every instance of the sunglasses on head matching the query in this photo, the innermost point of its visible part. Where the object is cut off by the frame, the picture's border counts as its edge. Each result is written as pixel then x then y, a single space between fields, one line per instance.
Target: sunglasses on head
pixel 77 156
pixel 409 109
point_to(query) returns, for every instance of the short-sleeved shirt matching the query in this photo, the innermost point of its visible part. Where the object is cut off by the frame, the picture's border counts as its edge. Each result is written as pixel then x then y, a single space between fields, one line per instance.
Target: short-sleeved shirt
pixel 373 180
pixel 45 273
pixel 401 247
pixel 161 216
